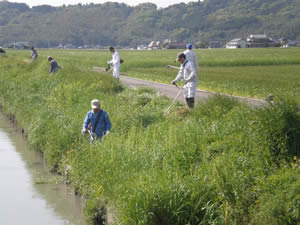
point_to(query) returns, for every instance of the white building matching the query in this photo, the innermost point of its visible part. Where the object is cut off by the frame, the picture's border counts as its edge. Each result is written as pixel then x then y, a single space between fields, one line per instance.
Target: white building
pixel 142 47
pixel 237 43
pixel 291 44
pixel 261 41
pixel 20 45
pixel 154 45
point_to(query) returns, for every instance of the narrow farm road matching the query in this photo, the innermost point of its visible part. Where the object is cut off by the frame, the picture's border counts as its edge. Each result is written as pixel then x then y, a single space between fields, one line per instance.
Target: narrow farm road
pixel 171 91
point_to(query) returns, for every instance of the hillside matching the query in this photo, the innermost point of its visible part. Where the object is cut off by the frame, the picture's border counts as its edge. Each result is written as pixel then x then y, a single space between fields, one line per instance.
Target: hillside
pixel 119 24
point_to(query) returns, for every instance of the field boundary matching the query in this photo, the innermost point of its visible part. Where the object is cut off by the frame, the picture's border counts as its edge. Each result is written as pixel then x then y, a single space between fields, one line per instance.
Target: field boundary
pixel 171 91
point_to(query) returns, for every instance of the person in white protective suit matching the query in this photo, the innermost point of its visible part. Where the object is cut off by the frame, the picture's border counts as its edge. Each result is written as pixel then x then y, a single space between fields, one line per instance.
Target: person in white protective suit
pixel 188 74
pixel 115 62
pixel 191 56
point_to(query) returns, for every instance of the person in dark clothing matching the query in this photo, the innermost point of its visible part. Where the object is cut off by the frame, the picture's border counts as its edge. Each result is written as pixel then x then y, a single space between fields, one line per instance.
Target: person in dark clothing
pixel 54 65
pixel 34 54
pixel 2 50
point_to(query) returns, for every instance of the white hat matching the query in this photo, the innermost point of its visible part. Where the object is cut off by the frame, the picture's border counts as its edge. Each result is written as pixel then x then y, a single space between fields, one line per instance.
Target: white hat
pixel 95 104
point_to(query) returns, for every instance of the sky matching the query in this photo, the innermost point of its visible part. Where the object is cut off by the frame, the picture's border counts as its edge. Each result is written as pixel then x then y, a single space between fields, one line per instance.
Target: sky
pixel 159 3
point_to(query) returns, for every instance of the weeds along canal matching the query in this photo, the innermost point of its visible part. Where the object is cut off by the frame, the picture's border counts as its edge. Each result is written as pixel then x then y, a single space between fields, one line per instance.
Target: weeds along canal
pixel 30 195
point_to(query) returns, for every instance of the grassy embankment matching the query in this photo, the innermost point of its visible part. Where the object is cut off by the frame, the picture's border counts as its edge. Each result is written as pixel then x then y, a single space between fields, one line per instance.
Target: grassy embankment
pixel 223 163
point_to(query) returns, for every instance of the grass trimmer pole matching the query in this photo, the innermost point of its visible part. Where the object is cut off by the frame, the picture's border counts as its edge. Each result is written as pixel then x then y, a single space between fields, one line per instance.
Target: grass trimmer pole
pixel 91 136
pixel 173 67
pixel 172 103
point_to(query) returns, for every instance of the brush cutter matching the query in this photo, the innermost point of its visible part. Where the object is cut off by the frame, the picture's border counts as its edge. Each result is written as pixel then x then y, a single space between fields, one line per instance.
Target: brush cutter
pixel 174 100
pixel 109 68
pixel 88 130
pixel 92 136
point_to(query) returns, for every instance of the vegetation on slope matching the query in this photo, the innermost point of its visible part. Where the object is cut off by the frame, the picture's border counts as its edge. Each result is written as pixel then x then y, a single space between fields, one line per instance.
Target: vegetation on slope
pixel 222 163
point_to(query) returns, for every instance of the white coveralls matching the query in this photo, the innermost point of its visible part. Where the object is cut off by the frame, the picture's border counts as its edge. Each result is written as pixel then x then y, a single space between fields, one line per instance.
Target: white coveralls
pixel 192 57
pixel 116 64
pixel 188 74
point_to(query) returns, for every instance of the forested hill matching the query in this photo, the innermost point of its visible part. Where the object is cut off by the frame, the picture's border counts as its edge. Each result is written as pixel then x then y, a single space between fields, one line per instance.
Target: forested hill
pixel 119 24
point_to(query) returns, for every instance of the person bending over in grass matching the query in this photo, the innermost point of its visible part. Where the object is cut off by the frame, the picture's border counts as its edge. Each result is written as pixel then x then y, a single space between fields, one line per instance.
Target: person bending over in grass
pixel 2 50
pixel 191 56
pixel 34 54
pixel 54 65
pixel 188 74
pixel 115 62
pixel 96 122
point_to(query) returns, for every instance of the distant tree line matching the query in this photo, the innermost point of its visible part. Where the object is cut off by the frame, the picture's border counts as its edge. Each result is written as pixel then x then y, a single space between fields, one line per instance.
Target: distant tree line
pixel 122 25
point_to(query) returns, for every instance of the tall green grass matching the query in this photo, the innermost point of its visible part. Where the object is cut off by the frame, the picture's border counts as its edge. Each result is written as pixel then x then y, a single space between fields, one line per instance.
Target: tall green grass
pixel 222 163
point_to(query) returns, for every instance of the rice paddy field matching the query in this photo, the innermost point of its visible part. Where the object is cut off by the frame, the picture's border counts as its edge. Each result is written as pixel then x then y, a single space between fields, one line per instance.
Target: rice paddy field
pixel 253 73
pixel 244 72
pixel 221 163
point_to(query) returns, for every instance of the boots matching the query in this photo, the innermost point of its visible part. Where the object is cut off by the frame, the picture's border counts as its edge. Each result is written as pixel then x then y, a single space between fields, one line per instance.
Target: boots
pixel 190 102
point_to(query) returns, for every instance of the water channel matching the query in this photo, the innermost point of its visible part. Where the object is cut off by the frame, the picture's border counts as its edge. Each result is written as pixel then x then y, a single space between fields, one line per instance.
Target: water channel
pixel 29 193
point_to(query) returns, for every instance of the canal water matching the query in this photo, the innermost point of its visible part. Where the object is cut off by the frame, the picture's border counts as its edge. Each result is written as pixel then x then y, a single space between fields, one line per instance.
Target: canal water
pixel 29 194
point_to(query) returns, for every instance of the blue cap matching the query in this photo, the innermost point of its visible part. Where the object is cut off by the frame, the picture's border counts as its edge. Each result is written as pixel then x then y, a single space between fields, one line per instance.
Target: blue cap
pixel 189 46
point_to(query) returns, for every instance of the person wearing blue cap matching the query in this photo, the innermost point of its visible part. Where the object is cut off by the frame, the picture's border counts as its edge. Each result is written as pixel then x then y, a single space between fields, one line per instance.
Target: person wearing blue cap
pixel 191 56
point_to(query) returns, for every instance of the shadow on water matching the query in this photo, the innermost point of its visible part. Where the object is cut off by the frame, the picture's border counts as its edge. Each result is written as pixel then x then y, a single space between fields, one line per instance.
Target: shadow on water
pixel 29 193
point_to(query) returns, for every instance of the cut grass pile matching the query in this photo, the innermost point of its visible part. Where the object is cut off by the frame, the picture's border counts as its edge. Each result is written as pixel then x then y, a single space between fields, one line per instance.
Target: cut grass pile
pixel 221 162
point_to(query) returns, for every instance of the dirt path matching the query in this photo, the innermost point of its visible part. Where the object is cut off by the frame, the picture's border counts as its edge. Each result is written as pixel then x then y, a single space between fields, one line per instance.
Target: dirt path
pixel 171 91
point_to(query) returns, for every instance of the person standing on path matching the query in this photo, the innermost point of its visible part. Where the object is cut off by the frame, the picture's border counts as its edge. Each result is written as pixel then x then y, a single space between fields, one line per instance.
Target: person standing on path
pixel 188 74
pixel 115 62
pixel 96 122
pixel 34 54
pixel 191 56
pixel 54 65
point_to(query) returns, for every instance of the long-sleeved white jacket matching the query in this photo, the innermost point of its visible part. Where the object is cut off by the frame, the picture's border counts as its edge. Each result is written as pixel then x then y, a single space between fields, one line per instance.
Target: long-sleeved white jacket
pixel 115 60
pixel 192 57
pixel 188 74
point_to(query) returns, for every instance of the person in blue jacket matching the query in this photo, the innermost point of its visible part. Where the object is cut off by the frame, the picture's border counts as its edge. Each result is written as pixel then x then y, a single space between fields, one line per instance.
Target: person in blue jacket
pixel 96 122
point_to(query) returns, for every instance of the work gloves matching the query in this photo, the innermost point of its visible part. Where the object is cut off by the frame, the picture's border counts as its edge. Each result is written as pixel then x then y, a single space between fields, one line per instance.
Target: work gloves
pixel 84 131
